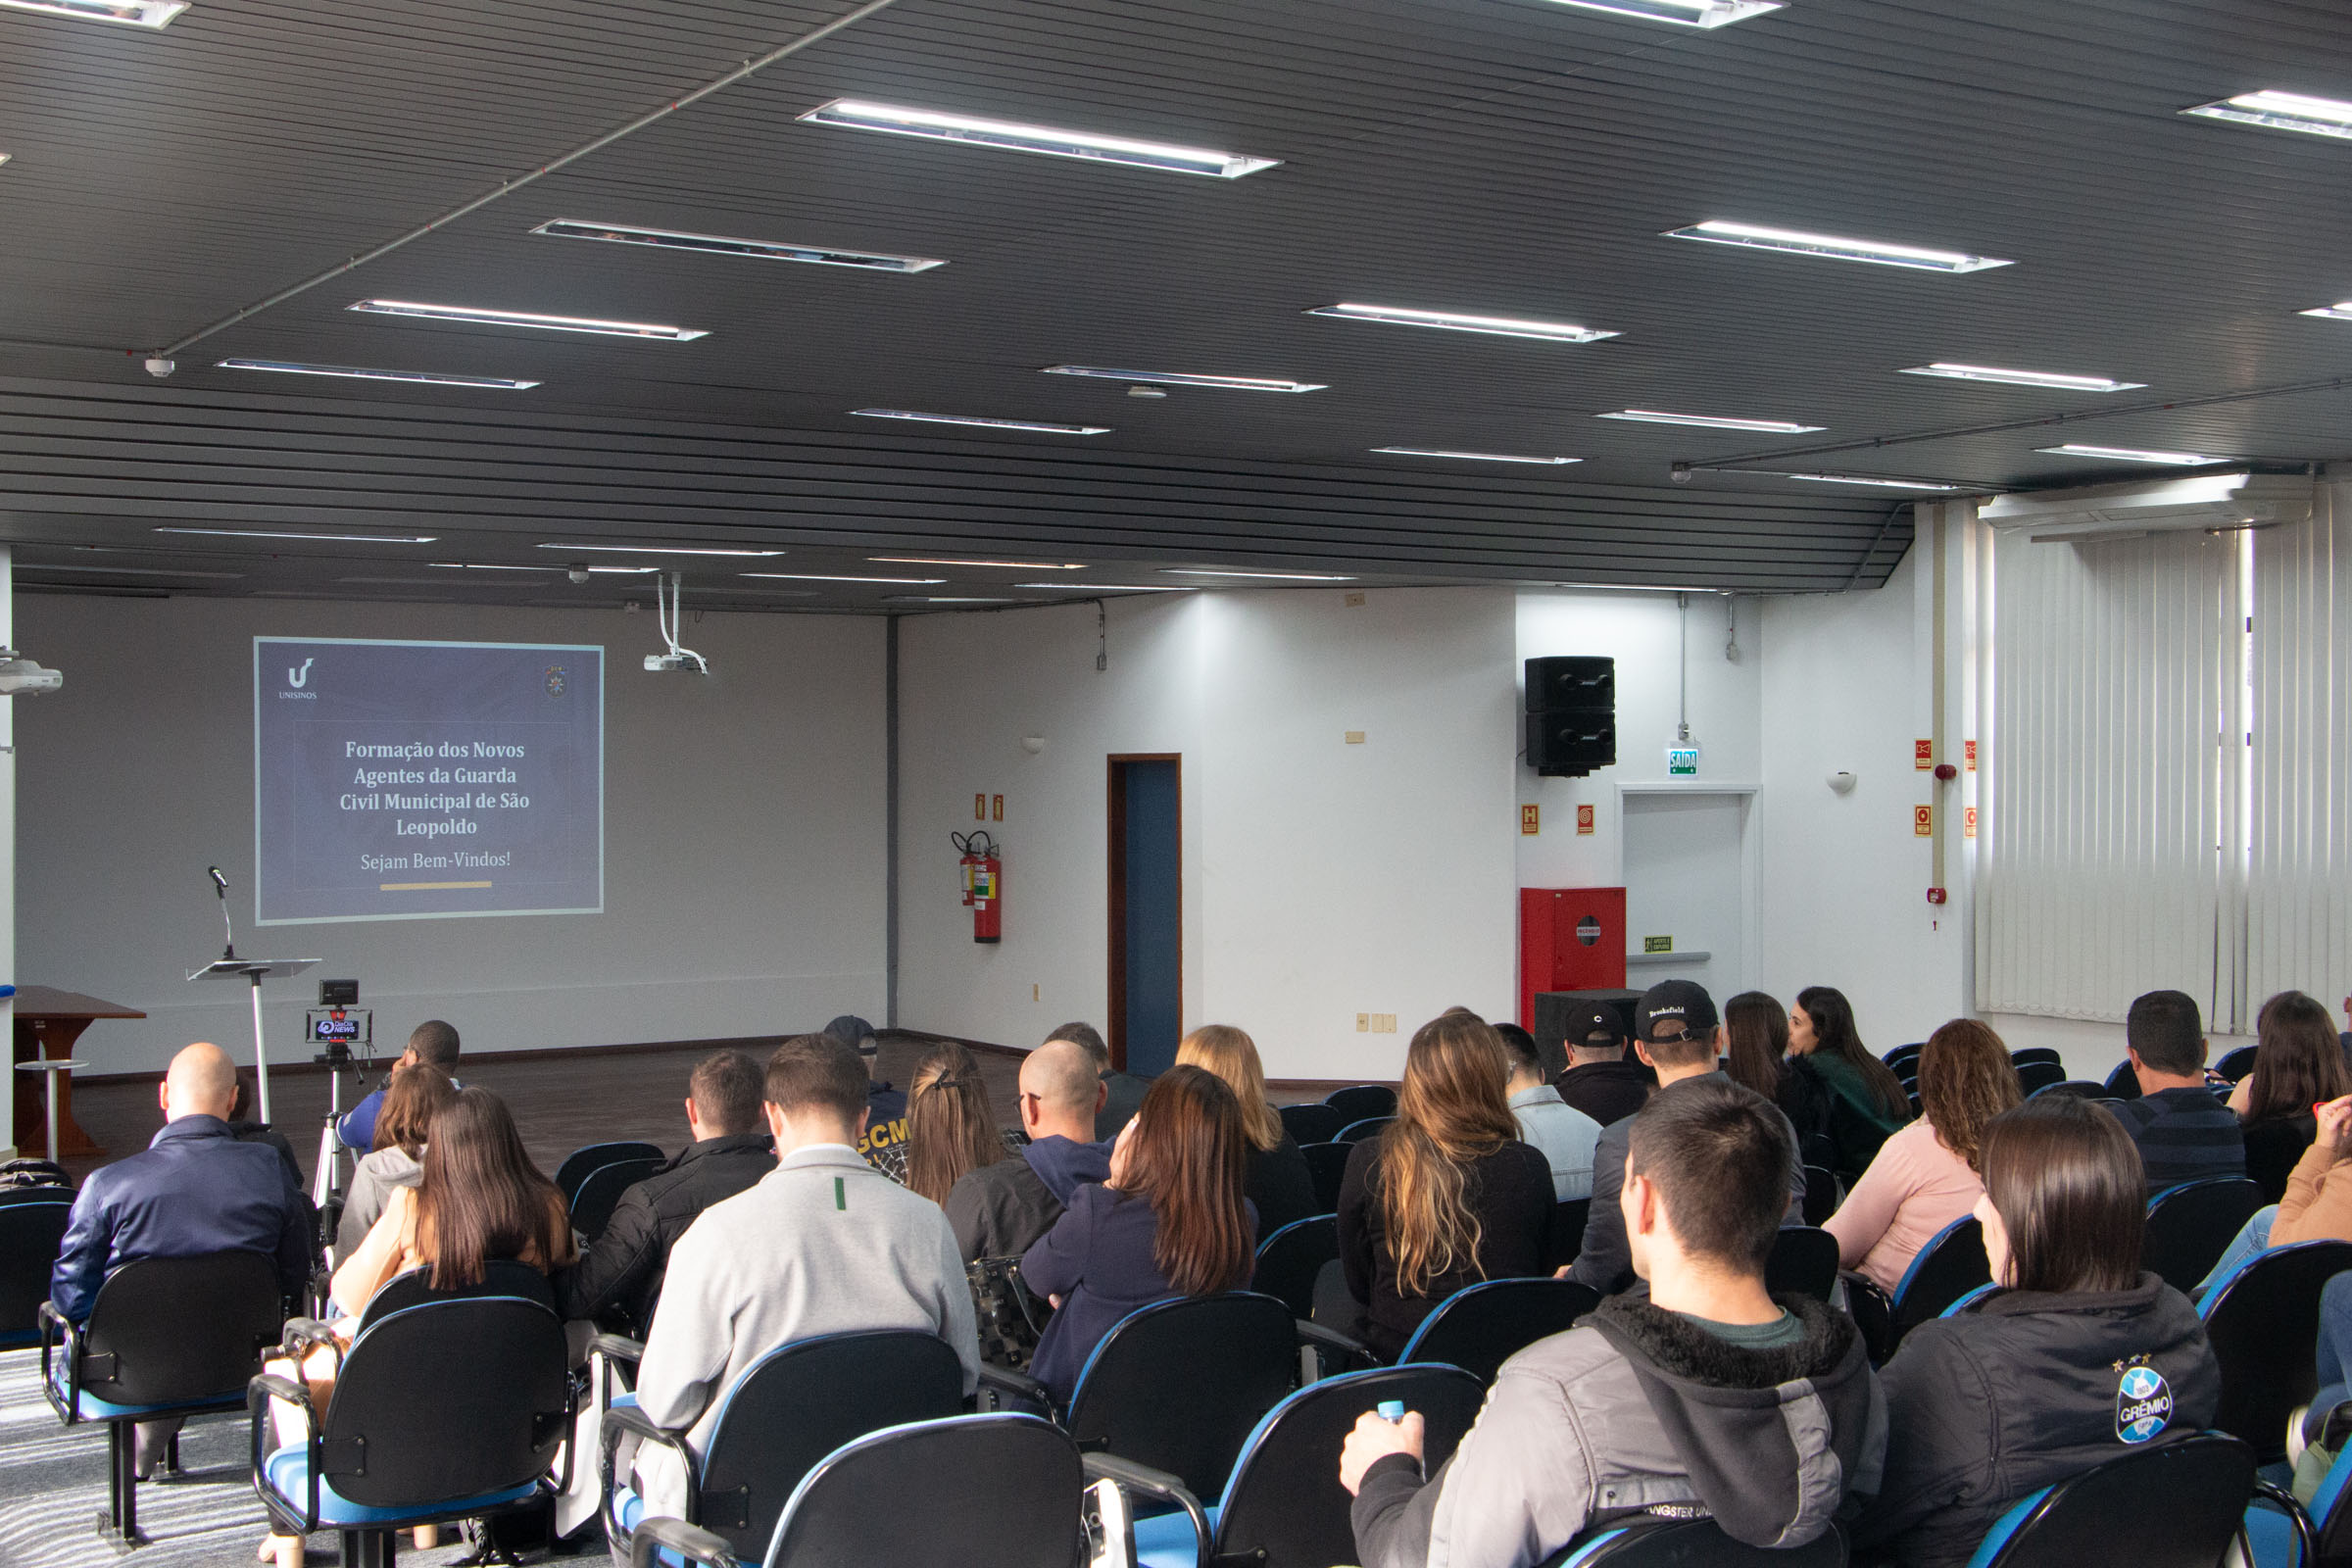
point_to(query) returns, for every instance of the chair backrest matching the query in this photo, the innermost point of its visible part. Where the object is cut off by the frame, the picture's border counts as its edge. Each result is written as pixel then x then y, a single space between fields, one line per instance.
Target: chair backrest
pixel 2122 1083
pixel 2330 1510
pixel 181 1330
pixel 2024 1054
pixel 801 1401
pixel 1327 1164
pixel 451 1399
pixel 2032 1077
pixel 588 1156
pixel 599 1192
pixel 2236 1064
pixel 1290 1259
pixel 1822 1194
pixel 1310 1123
pixel 2080 1088
pixel 501 1276
pixel 977 1491
pixel 2173 1505
pixel 1948 1267
pixel 1646 1543
pixel 1903 1055
pixel 1481 1326
pixel 1284 1506
pixel 2192 1225
pixel 1363 1100
pixel 1803 1262
pixel 1356 1132
pixel 2263 1321
pixel 28 1236
pixel 1564 1232
pixel 1178 1385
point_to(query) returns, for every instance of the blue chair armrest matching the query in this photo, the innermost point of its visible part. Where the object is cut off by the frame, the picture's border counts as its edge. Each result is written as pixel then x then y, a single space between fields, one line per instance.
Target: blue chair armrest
pixel 296 1392
pixel 2307 1547
pixel 1021 1386
pixel 1330 1344
pixel 690 1541
pixel 60 1332
pixel 629 1420
pixel 1133 1477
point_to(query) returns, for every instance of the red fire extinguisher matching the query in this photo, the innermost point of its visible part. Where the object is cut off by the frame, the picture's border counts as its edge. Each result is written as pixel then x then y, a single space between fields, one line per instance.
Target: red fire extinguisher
pixel 983 873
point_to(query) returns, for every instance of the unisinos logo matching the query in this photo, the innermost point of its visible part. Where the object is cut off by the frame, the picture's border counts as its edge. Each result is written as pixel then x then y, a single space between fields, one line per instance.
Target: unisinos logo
pixel 298 679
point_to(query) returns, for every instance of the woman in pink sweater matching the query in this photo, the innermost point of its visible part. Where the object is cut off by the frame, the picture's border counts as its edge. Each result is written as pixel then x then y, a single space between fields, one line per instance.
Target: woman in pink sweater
pixel 1925 1176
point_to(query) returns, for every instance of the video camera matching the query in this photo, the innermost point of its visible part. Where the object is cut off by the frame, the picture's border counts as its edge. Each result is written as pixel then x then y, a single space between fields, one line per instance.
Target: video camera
pixel 339 1024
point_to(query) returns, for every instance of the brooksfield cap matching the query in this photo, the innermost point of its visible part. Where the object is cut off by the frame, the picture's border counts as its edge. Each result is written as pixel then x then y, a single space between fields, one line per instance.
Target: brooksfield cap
pixel 1673 1003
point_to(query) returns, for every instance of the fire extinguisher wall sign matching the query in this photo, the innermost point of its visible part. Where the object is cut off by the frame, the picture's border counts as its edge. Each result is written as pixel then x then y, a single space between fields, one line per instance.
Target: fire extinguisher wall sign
pixel 982 874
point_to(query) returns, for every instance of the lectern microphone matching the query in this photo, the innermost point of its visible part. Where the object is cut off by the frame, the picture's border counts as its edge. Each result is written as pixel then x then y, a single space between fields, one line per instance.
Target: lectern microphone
pixel 228 947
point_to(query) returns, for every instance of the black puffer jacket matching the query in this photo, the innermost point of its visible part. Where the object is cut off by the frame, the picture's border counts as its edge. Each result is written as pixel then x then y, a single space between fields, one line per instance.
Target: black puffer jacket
pixel 618 1279
pixel 2023 1390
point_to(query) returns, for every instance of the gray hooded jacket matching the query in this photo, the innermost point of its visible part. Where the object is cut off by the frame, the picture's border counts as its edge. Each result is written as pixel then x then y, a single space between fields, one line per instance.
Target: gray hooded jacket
pixel 1638 1410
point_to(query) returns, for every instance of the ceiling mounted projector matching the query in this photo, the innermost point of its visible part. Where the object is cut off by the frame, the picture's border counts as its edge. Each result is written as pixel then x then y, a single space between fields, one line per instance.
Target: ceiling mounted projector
pixel 2087 514
pixel 20 676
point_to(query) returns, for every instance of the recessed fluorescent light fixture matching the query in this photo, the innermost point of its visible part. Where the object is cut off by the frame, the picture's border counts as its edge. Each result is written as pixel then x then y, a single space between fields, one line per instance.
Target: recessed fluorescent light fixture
pixel 1708 421
pixel 132 571
pixel 1263 576
pixel 1037 426
pixel 813 577
pixel 1718 231
pixel 479 566
pixel 2332 312
pixel 1682 13
pixel 130 13
pixel 2044 378
pixel 763 249
pixel 469 315
pixel 939 599
pixel 1223 384
pixel 664 550
pixel 857 115
pixel 2282 110
pixel 2178 459
pixel 1451 322
pixel 498 383
pixel 944 560
pixel 1109 587
pixel 4 157
pixel 1884 484
pixel 1470 457
pixel 337 538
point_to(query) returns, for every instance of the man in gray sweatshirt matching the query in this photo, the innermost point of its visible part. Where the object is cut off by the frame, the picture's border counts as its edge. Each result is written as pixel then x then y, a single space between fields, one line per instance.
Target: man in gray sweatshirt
pixel 1710 1397
pixel 825 1244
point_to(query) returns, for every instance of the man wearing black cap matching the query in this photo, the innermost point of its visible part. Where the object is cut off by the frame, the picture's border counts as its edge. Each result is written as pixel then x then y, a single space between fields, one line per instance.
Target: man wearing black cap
pixel 884 1145
pixel 1600 1081
pixel 1677 1033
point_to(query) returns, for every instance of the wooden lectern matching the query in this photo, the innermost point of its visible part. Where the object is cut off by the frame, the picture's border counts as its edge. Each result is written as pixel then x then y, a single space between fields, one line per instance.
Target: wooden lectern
pixel 48 1022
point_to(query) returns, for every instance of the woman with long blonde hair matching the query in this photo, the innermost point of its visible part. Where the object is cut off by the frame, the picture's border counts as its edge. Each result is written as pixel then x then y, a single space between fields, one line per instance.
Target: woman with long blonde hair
pixel 1276 1179
pixel 950 1126
pixel 1446 1195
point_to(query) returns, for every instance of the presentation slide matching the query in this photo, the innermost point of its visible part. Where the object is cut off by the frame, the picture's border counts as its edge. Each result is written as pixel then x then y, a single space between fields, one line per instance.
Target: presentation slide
pixel 407 780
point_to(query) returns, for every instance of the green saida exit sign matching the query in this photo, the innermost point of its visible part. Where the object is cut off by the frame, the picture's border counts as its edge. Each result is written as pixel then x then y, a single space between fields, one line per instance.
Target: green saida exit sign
pixel 1681 762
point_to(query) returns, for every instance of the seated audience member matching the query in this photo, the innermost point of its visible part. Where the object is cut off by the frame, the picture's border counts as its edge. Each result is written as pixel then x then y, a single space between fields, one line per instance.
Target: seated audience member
pixel 2318 1205
pixel 884 1145
pixel 2298 1063
pixel 1171 1221
pixel 2335 1356
pixel 1925 1177
pixel 2184 1134
pixel 1843 1100
pixel 1755 1052
pixel 2079 1357
pixel 432 1042
pixel 1679 1038
pixel 1446 1195
pixel 1563 1135
pixel 411 1101
pixel 997 1208
pixel 193 1191
pixel 1708 1396
pixel 619 1278
pixel 1059 1150
pixel 825 1244
pixel 1122 1092
pixel 246 1130
pixel 1275 1178
pixel 1599 1080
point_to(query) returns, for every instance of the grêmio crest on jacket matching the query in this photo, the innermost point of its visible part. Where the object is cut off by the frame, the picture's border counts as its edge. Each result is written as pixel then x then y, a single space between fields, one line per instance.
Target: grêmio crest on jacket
pixel 2143 1402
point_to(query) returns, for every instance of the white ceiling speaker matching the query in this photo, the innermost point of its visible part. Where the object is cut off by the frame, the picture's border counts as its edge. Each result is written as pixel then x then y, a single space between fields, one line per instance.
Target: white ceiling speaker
pixel 2130 510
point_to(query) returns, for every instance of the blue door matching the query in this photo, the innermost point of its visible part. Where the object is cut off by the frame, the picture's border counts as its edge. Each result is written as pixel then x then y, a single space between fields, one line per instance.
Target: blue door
pixel 1150 1002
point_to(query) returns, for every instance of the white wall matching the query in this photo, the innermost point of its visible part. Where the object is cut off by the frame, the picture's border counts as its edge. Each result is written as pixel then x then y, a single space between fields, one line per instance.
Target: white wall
pixel 745 835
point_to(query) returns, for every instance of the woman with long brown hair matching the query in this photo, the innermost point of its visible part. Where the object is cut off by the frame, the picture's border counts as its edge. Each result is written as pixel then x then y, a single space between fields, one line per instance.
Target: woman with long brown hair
pixel 951 1128
pixel 1756 1049
pixel 1926 1175
pixel 1841 1093
pixel 2298 1063
pixel 412 1099
pixel 1275 1177
pixel 1446 1195
pixel 1171 1221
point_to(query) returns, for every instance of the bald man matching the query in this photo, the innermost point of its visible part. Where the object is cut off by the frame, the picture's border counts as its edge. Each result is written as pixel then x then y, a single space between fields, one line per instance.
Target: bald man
pixel 1062 1093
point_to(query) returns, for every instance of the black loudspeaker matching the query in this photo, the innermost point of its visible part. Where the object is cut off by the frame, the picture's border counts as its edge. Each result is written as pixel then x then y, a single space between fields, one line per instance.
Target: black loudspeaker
pixel 1571 714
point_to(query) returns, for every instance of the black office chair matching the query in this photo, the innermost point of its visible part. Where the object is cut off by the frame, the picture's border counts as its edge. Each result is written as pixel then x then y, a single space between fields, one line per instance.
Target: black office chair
pixel 2122 1083
pixel 1363 1102
pixel 1946 1269
pixel 1824 1192
pixel 2321 1533
pixel 2263 1322
pixel 165 1336
pixel 1289 1261
pixel 588 1156
pixel 2274 1146
pixel 1481 1326
pixel 1564 1234
pixel 1646 1543
pixel 450 1410
pixel 1283 1505
pixel 1310 1123
pixel 1905 1057
pixel 2236 1064
pixel 501 1276
pixel 1803 1262
pixel 2192 1225
pixel 789 1410
pixel 998 1490
pixel 2173 1505
pixel 2032 1077
pixel 598 1193
pixel 30 1229
pixel 2024 1054
pixel 2079 1088
pixel 1327 1164
pixel 1357 1131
